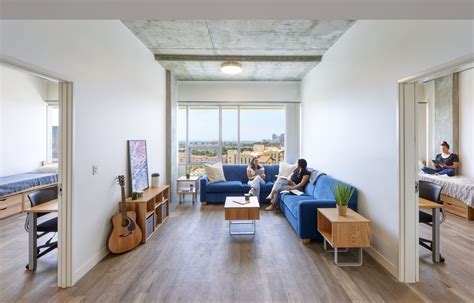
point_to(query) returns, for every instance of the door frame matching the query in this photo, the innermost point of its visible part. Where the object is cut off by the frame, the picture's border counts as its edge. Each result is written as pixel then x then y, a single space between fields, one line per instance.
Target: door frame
pixel 407 162
pixel 65 164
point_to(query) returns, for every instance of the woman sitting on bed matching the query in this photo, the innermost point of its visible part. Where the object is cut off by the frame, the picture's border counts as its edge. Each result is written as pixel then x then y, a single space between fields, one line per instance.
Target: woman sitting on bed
pixel 445 163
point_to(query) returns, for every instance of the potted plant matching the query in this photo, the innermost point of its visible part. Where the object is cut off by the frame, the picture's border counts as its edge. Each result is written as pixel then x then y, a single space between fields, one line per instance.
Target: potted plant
pixel 342 194
pixel 188 175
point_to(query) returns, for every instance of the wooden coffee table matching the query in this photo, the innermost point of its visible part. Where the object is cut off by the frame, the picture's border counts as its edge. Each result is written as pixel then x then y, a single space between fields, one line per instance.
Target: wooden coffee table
pixel 346 232
pixel 237 213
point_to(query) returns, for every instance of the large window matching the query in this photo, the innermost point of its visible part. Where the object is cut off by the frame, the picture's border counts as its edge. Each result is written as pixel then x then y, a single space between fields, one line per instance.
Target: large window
pixel 229 134
pixel 53 133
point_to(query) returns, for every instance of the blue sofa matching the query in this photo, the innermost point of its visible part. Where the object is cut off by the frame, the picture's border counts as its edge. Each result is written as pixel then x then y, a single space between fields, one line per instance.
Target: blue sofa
pixel 300 211
pixel 236 184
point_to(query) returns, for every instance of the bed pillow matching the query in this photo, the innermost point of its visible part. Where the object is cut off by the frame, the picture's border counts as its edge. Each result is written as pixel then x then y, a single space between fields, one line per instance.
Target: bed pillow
pixel 48 168
pixel 286 169
pixel 214 172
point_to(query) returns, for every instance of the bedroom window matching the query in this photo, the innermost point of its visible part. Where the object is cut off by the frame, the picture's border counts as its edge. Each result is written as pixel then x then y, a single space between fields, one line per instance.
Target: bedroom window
pixel 53 133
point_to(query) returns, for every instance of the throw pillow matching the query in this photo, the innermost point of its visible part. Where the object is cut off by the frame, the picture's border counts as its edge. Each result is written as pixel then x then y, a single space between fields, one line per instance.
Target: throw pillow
pixel 215 172
pixel 286 169
pixel 48 168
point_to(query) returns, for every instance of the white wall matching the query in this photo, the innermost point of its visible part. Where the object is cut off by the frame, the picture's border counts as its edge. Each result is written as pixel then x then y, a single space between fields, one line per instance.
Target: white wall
pixel 119 94
pixel 349 111
pixel 466 122
pixel 239 91
pixel 23 122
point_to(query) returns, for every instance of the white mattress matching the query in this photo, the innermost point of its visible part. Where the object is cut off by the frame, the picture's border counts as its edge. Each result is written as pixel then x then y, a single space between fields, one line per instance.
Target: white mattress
pixel 459 187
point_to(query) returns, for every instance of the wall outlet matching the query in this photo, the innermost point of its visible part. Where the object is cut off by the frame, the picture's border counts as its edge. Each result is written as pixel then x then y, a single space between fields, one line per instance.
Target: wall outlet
pixel 95 170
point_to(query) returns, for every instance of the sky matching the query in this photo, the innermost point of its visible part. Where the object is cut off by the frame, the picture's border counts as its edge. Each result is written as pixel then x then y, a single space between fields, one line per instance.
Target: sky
pixel 256 124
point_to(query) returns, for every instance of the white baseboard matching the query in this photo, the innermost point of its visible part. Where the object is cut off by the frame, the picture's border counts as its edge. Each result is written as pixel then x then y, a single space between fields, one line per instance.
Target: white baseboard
pixel 82 270
pixel 392 269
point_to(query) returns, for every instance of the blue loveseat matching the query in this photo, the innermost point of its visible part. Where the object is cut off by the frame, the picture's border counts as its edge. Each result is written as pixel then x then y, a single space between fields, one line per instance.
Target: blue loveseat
pixel 300 211
pixel 236 184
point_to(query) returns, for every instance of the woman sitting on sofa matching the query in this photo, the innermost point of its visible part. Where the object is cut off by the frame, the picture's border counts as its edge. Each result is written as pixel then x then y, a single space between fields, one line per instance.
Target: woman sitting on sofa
pixel 297 180
pixel 256 176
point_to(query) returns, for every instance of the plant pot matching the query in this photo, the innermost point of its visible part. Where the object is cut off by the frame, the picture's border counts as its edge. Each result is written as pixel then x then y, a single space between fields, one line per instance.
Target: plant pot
pixel 342 210
pixel 188 176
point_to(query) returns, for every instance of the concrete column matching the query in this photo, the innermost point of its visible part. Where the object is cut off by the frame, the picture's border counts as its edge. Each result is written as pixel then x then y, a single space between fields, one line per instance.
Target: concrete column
pixel 171 132
pixel 447 112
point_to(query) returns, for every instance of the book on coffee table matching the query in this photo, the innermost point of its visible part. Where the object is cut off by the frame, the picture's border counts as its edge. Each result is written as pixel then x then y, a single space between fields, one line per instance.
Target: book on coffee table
pixel 241 202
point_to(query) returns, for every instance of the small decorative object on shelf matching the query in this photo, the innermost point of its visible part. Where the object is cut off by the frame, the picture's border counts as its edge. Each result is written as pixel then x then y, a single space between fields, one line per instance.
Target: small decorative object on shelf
pixel 247 197
pixel 191 186
pixel 155 180
pixel 188 175
pixel 134 195
pixel 342 194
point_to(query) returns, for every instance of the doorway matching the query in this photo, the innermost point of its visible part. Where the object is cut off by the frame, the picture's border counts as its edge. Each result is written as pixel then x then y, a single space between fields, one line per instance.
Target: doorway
pixel 410 149
pixel 56 92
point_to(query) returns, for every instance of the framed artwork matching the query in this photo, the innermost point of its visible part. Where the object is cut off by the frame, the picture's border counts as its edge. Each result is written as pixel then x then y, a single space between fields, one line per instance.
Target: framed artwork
pixel 138 164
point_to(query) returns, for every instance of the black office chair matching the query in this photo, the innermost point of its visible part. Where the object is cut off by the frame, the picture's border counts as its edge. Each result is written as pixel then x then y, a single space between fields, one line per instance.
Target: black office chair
pixel 430 191
pixel 48 226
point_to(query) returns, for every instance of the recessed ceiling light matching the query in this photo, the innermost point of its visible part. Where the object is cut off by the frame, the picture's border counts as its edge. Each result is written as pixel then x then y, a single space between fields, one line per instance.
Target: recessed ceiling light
pixel 231 68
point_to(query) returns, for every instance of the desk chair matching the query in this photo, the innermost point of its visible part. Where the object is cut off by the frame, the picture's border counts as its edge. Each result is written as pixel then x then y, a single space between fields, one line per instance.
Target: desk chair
pixel 48 226
pixel 430 191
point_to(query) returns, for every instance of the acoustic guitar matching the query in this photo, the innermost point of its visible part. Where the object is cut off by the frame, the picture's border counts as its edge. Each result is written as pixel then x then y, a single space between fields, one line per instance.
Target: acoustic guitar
pixel 125 234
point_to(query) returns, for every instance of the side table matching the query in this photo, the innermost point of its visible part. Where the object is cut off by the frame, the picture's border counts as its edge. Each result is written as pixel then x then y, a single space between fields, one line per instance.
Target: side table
pixel 344 232
pixel 183 187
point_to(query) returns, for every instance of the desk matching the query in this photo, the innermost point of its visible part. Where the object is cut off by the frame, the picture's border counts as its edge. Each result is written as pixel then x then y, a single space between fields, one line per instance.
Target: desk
pixel 48 207
pixel 435 234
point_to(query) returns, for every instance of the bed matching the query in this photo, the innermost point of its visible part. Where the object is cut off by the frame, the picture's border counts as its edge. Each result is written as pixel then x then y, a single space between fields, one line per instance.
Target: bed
pixel 457 193
pixel 14 190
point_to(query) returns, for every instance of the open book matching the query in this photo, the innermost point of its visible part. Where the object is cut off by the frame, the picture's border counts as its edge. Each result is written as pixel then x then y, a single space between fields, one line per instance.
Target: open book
pixel 294 192
pixel 241 202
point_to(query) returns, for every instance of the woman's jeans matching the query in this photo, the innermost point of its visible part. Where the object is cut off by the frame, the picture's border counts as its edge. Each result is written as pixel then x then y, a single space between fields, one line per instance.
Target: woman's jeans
pixel 280 184
pixel 255 184
pixel 440 171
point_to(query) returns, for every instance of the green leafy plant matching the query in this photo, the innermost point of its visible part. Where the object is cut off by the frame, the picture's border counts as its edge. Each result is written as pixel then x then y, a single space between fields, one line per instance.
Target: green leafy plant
pixel 342 194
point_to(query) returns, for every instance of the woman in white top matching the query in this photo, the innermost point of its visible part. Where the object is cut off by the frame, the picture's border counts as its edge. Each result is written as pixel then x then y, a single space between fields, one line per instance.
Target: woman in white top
pixel 256 176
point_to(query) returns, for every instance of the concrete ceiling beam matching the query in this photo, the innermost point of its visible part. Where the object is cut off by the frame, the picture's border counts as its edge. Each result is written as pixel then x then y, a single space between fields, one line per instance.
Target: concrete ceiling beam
pixel 238 58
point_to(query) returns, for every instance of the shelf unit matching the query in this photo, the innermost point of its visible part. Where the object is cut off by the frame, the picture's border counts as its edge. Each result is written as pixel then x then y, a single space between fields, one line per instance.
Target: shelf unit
pixel 152 209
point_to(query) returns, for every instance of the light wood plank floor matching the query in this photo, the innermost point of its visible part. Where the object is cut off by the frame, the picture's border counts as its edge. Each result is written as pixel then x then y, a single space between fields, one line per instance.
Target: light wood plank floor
pixel 193 259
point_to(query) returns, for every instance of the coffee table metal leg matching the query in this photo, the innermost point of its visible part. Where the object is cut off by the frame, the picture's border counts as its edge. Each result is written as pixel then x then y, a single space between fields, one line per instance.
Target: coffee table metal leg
pixel 231 222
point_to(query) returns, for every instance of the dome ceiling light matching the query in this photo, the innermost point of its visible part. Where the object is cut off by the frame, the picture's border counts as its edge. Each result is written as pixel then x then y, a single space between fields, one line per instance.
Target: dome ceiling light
pixel 231 68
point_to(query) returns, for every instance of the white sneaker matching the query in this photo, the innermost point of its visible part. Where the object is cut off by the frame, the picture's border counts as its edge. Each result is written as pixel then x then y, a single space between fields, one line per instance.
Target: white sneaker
pixel 269 197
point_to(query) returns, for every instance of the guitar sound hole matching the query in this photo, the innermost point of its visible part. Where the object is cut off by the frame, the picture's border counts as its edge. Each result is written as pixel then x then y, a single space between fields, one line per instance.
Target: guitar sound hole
pixel 125 223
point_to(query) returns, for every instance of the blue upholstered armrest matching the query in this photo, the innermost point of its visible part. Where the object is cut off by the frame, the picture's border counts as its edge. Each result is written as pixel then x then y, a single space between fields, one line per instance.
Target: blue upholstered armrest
pixel 307 213
pixel 203 188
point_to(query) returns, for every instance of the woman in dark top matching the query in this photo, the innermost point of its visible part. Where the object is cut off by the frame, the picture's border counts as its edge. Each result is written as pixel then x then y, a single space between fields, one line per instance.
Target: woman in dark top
pixel 297 180
pixel 445 163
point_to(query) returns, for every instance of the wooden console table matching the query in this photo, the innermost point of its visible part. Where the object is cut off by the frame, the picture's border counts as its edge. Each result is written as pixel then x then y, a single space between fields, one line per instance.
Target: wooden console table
pixel 152 209
pixel 348 231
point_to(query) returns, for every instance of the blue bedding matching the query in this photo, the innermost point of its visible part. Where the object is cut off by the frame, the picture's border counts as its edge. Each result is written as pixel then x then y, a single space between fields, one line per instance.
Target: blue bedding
pixel 16 183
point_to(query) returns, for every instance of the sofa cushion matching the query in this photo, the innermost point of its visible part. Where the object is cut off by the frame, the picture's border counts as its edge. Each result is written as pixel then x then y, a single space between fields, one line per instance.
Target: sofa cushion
pixel 236 172
pixel 214 172
pixel 292 201
pixel 271 170
pixel 225 187
pixel 286 169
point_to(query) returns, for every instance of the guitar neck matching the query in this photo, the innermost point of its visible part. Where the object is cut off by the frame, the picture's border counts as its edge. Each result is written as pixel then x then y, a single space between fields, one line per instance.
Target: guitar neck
pixel 123 204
